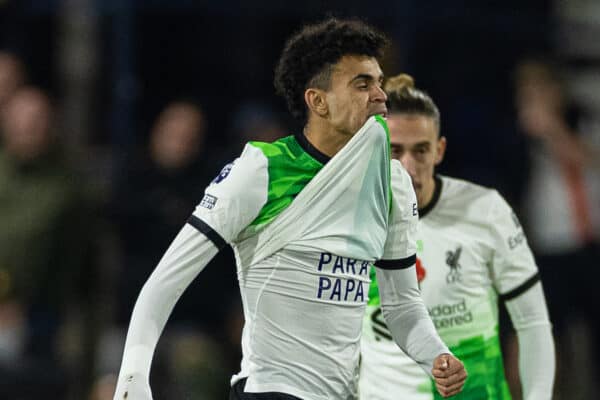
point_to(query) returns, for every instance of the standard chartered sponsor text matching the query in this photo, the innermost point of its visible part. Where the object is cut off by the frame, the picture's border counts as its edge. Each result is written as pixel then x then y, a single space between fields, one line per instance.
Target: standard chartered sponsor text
pixel 449 315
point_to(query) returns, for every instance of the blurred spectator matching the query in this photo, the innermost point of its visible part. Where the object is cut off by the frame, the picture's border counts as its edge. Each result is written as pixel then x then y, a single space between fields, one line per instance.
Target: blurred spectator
pixel 562 207
pixel 153 199
pixel 42 246
pixel 254 120
pixel 156 194
pixel 12 75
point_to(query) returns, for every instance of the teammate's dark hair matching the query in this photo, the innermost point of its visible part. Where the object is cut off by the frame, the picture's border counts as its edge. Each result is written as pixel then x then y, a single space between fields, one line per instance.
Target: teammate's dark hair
pixel 404 98
pixel 308 57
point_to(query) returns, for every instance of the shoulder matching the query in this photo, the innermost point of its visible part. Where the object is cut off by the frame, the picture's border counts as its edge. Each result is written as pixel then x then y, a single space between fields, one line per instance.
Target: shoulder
pixel 461 187
pixel 278 148
pixel 236 195
pixel 250 168
pixel 469 196
pixel 252 160
pixel 472 204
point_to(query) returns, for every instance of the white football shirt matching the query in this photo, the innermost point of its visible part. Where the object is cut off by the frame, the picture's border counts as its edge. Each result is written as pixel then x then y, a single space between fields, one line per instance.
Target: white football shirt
pixel 304 304
pixel 471 249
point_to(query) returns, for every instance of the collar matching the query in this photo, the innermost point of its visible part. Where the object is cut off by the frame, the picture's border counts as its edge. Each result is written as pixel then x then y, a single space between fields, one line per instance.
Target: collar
pixel 310 149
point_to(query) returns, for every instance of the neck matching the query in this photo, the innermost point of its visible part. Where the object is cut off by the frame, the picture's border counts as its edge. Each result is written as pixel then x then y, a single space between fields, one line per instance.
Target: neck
pixel 324 138
pixel 425 195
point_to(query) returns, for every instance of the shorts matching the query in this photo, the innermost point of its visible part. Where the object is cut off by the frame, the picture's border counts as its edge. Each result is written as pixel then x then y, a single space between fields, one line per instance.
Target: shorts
pixel 237 393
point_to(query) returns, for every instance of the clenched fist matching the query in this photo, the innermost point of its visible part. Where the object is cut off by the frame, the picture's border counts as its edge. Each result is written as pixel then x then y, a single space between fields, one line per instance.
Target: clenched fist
pixel 449 374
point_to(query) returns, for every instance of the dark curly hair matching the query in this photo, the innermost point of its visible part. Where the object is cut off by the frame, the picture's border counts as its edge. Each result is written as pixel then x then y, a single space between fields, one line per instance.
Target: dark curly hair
pixel 308 57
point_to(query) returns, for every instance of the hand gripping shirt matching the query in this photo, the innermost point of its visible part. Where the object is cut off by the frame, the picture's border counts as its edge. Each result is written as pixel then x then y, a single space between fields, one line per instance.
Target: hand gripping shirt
pixel 305 232
pixel 471 250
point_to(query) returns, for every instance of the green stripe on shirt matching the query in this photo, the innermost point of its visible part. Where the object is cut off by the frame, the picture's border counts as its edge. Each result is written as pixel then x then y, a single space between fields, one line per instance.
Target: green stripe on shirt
pixel 290 169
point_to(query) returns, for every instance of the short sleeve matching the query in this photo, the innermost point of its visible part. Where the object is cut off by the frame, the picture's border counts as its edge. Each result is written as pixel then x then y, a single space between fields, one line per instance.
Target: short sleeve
pixel 234 198
pixel 400 246
pixel 513 266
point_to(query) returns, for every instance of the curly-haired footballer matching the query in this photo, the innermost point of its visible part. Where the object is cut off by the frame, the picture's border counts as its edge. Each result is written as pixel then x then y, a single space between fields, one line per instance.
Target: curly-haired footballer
pixel 306 215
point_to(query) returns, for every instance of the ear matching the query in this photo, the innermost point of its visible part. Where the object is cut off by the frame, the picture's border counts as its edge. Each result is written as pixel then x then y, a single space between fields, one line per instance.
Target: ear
pixel 440 148
pixel 315 101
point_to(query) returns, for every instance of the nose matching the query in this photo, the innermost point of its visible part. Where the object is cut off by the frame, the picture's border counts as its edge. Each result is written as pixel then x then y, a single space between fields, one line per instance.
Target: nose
pixel 379 95
pixel 409 164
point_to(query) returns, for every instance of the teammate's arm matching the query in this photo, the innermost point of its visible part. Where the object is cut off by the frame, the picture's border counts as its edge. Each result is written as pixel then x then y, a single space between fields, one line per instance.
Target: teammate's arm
pixel 517 280
pixel 529 316
pixel 230 203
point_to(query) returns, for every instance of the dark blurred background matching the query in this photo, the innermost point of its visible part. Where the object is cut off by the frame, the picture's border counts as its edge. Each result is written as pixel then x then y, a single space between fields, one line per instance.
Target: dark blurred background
pixel 115 115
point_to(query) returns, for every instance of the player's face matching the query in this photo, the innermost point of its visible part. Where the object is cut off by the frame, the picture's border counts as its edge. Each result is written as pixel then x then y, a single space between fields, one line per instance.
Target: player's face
pixel 416 143
pixel 355 93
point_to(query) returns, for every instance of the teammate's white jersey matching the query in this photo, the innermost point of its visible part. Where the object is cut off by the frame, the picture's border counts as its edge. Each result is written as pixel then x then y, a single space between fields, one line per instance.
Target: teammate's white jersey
pixel 471 250
pixel 304 303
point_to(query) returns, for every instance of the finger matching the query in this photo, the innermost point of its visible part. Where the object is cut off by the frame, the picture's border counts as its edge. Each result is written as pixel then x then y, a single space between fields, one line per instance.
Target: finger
pixel 451 390
pixel 453 379
pixel 455 365
pixel 439 373
pixel 442 373
pixel 445 373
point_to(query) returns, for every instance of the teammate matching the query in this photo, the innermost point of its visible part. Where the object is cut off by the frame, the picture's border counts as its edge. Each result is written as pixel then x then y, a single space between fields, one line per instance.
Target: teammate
pixel 471 253
pixel 306 216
